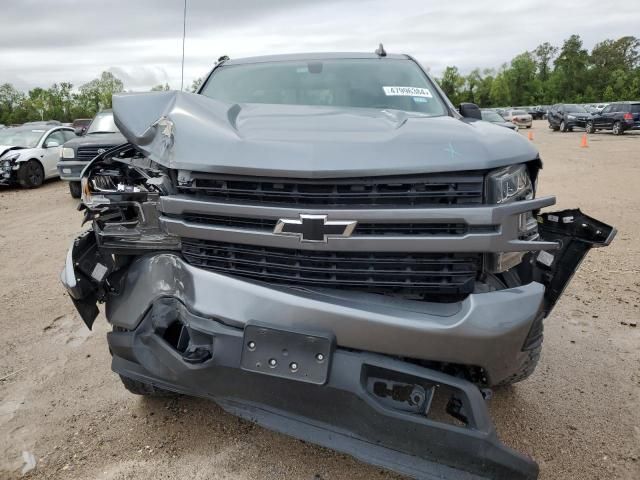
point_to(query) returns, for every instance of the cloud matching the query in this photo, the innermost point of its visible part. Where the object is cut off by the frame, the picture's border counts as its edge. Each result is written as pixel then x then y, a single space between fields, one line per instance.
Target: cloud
pixel 141 41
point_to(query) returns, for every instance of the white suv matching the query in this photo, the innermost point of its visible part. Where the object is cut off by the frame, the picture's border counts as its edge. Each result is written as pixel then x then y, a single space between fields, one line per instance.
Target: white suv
pixel 29 153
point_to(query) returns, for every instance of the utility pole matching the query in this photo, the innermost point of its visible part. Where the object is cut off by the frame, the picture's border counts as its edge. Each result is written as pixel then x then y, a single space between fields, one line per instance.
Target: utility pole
pixel 184 33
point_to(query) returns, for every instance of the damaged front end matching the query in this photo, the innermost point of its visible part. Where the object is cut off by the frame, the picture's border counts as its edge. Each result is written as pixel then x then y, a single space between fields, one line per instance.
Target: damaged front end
pixel 379 345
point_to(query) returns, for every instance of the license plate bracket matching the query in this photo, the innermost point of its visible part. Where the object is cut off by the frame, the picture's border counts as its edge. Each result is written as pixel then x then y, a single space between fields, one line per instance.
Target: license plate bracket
pixel 286 354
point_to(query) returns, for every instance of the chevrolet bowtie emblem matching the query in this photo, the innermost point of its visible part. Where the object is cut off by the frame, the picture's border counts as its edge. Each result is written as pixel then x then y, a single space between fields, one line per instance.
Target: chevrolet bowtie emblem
pixel 314 228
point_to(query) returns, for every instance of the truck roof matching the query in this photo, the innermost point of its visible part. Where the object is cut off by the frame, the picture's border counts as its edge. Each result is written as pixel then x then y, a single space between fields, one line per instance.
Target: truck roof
pixel 313 56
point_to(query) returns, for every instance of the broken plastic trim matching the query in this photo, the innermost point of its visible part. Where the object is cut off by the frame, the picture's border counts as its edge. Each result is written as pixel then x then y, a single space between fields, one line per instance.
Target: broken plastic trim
pixel 576 233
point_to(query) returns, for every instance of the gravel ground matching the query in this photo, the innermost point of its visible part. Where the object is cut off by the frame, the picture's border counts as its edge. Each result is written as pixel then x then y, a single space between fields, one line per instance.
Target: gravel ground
pixel 578 415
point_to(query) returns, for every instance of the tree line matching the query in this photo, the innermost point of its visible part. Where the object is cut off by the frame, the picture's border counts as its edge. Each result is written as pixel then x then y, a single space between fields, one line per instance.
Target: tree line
pixel 61 102
pixel 550 74
pixel 546 75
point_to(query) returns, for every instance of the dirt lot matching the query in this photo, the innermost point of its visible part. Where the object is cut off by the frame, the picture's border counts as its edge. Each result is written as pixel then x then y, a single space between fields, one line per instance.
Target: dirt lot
pixel 579 414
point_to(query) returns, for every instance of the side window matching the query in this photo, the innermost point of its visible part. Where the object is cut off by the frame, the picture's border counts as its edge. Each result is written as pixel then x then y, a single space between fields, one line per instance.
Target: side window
pixel 615 108
pixel 607 109
pixel 56 136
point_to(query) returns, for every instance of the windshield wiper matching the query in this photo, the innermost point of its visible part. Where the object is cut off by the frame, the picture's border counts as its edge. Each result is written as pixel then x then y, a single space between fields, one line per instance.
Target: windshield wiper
pixel 100 131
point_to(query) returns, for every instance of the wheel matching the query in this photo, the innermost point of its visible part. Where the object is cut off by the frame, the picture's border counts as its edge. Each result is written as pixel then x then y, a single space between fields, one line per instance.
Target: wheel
pixel 589 128
pixel 563 126
pixel 140 388
pixel 527 366
pixel 75 189
pixel 617 129
pixel 530 354
pixel 30 174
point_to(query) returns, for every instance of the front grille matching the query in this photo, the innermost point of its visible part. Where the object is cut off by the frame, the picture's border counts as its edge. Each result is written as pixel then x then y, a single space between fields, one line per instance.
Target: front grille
pixel 382 272
pixel 90 152
pixel 417 190
pixel 265 224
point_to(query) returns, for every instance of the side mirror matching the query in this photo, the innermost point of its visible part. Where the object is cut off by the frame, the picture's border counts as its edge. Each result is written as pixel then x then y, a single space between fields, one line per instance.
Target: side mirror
pixel 80 131
pixel 51 144
pixel 470 110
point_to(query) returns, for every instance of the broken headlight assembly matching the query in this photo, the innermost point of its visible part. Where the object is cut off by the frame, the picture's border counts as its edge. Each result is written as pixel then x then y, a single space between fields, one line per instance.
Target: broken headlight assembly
pixel 506 185
pixel 120 195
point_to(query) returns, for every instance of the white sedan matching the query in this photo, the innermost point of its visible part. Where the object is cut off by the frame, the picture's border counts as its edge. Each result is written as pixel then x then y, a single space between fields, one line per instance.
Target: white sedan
pixel 518 117
pixel 29 154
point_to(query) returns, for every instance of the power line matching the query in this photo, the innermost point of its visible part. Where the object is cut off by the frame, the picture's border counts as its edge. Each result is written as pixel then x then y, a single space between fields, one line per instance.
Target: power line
pixel 184 34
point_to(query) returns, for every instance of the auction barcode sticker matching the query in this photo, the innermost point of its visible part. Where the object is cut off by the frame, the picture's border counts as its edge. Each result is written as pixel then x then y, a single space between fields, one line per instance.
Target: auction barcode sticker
pixel 407 92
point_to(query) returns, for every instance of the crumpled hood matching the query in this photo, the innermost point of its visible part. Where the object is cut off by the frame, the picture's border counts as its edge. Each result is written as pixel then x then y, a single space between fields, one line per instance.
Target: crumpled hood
pixel 6 148
pixel 193 132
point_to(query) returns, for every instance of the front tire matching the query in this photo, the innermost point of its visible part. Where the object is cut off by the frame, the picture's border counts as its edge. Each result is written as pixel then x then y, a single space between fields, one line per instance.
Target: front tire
pixel 617 128
pixel 30 174
pixel 75 189
pixel 563 126
pixel 146 389
pixel 589 128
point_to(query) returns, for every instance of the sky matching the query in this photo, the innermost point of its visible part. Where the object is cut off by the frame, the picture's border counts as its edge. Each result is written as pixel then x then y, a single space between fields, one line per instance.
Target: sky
pixel 140 41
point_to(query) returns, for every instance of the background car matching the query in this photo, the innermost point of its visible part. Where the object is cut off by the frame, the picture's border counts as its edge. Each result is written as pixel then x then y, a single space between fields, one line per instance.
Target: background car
pixel 494 117
pixel 101 135
pixel 617 117
pixel 518 117
pixel 566 116
pixel 29 154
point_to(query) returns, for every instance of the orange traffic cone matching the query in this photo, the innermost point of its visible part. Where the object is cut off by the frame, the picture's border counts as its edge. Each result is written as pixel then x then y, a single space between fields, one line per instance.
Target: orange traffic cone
pixel 530 136
pixel 583 143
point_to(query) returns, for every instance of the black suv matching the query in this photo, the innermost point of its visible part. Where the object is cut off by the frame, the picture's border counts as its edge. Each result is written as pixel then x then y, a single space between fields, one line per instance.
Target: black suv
pixel 617 117
pixel 566 116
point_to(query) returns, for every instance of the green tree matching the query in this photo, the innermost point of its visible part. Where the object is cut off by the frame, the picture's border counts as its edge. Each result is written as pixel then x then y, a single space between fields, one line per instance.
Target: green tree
pixel 98 92
pixel 195 85
pixel 452 83
pixel 543 55
pixel 500 94
pixel 11 101
pixel 522 80
pixel 571 69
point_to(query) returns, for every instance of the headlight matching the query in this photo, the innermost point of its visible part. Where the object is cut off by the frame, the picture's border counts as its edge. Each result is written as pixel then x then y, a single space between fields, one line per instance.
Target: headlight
pixel 506 185
pixel 571 117
pixel 11 158
pixel 509 184
pixel 68 152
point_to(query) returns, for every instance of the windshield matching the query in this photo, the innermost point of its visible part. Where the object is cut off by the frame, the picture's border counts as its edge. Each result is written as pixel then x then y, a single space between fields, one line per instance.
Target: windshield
pixel 21 137
pixel 103 123
pixel 575 109
pixel 365 83
pixel 490 116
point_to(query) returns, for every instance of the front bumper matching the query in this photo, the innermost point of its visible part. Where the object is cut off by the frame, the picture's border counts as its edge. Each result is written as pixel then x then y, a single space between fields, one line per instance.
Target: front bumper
pixel 71 170
pixel 352 412
pixel 577 122
pixel 485 330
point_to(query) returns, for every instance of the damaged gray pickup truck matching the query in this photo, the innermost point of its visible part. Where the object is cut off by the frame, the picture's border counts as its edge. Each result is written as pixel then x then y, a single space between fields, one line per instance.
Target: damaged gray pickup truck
pixel 324 245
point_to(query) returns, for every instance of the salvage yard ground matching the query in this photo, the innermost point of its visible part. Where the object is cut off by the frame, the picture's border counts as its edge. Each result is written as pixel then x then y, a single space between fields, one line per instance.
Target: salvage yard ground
pixel 62 408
